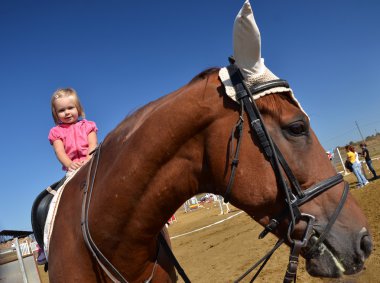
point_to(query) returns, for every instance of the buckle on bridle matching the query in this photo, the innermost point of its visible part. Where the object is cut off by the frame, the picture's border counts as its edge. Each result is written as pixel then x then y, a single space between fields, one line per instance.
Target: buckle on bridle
pixel 269 228
pixel 310 219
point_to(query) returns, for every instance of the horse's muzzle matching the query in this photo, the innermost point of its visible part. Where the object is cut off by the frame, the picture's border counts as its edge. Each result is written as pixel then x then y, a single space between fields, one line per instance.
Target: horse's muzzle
pixel 365 244
pixel 328 260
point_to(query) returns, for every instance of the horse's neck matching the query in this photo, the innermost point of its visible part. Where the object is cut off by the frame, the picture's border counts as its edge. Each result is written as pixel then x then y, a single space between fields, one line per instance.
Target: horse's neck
pixel 151 164
pixel 158 165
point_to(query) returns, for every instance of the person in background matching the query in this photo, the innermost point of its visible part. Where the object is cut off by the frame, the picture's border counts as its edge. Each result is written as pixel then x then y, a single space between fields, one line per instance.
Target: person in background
pixel 356 167
pixel 368 160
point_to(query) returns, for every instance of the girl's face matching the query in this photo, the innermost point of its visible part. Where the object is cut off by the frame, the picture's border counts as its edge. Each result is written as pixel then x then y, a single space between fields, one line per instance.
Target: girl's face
pixel 66 110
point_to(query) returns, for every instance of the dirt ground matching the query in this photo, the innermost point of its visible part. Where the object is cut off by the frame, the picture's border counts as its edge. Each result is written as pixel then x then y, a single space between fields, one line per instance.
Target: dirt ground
pixel 223 252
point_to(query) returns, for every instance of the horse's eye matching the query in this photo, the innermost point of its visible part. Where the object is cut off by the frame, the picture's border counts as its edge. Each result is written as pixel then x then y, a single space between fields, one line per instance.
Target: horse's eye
pixel 298 128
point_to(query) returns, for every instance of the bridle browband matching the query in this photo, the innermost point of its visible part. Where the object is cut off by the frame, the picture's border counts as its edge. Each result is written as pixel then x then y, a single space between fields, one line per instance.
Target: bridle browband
pixel 294 195
pixel 293 200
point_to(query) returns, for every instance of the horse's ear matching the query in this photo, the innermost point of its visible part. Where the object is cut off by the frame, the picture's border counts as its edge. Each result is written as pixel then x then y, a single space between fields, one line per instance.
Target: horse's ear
pixel 247 42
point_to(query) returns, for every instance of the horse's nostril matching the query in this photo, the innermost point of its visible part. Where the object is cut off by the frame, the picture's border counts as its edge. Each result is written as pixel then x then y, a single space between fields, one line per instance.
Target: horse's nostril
pixel 366 245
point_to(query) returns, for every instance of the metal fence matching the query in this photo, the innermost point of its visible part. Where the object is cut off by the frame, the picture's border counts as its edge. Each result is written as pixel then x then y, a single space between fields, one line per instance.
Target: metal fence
pixel 18 263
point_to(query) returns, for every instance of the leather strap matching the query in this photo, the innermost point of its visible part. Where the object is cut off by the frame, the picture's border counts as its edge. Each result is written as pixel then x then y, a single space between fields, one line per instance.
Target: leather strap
pixel 169 252
pixel 235 161
pixel 332 220
pixel 291 272
pixel 103 262
pixel 268 85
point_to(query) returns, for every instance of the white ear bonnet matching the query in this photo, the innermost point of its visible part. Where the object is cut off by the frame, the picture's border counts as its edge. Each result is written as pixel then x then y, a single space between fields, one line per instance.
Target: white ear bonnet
pixel 247 55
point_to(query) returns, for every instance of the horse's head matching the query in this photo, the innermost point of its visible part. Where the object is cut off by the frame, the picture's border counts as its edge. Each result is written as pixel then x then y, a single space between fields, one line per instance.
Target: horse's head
pixel 347 243
pixel 338 239
pixel 284 179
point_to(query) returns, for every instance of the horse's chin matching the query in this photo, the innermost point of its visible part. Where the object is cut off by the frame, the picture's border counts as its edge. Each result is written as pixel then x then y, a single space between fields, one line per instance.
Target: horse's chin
pixel 325 263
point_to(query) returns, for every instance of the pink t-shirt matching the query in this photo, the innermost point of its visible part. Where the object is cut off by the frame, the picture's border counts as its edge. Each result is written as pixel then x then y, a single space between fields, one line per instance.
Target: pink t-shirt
pixel 74 138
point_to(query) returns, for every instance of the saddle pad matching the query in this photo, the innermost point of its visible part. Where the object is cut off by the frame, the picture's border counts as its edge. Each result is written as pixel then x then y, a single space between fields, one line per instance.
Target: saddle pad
pixel 48 229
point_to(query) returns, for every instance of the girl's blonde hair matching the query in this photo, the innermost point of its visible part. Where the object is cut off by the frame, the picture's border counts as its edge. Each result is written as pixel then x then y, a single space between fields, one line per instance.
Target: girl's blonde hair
pixel 66 92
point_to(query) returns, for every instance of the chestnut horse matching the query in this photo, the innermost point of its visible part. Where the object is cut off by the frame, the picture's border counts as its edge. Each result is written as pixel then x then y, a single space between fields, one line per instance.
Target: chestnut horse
pixel 179 146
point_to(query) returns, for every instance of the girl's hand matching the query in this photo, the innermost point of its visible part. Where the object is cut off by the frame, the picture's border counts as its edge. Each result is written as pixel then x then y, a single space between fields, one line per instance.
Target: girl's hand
pixel 75 165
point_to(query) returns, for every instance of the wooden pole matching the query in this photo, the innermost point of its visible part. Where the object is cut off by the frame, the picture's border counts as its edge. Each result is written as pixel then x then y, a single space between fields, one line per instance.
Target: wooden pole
pixel 20 260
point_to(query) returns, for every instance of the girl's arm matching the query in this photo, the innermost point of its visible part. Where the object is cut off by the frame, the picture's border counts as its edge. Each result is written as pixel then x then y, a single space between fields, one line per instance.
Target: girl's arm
pixel 92 143
pixel 61 154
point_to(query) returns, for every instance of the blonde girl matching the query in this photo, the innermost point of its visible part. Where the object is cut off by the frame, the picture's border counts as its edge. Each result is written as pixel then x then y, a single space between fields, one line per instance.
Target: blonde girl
pixel 73 137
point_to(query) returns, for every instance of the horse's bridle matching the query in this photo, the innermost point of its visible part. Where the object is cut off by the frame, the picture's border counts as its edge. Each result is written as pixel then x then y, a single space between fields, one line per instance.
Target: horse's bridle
pixel 294 195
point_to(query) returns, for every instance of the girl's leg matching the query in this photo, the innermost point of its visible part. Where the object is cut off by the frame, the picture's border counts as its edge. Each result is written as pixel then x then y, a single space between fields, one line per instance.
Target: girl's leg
pixel 361 179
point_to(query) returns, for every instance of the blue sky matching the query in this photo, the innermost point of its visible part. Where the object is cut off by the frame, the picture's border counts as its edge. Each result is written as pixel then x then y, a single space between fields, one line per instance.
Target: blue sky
pixel 119 55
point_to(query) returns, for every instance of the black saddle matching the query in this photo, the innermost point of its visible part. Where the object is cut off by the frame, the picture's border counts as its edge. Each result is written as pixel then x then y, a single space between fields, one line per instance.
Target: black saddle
pixel 40 210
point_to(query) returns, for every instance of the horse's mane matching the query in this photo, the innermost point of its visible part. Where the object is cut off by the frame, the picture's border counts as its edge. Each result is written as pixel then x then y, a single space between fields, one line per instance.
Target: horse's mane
pixel 202 75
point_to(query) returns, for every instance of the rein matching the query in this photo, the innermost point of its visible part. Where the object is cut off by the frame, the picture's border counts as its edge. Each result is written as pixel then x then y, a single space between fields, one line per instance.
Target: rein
pixel 246 101
pixel 104 263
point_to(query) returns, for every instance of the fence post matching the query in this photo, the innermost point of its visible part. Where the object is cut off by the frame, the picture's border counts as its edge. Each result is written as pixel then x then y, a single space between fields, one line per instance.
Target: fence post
pixel 20 260
pixel 341 160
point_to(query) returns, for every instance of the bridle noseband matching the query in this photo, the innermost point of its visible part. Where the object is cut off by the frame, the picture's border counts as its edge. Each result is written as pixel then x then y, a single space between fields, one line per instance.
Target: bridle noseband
pixel 294 195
